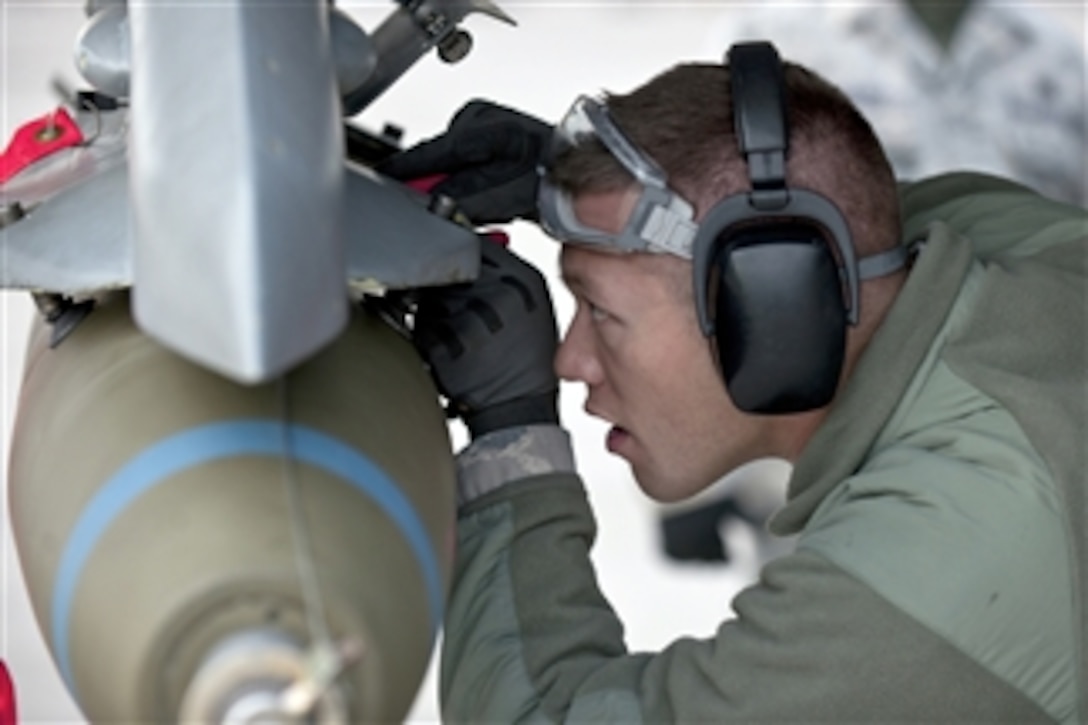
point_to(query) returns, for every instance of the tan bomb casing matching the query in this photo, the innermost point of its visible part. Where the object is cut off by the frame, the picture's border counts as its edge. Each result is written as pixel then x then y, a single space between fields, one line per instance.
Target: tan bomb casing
pixel 149 499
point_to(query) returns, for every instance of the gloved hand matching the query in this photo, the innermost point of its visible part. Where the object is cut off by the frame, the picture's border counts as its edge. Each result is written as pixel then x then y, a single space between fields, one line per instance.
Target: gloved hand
pixel 491 344
pixel 492 156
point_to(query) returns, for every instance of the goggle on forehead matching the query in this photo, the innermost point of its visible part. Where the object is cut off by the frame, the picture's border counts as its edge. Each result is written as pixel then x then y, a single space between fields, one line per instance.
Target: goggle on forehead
pixel 661 221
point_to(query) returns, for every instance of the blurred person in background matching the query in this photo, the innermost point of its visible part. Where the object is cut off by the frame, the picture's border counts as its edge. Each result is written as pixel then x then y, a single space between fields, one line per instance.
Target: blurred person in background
pixel 982 85
pixel 751 282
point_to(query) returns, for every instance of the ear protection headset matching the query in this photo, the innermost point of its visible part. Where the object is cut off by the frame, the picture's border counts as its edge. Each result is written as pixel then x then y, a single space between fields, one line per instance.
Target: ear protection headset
pixel 776 277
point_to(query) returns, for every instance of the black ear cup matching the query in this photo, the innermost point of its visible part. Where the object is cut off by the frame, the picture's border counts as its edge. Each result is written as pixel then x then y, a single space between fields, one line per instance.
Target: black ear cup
pixel 779 319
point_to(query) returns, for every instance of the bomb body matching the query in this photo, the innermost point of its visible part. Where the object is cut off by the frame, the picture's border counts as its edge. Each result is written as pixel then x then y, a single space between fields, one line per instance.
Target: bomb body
pixel 151 503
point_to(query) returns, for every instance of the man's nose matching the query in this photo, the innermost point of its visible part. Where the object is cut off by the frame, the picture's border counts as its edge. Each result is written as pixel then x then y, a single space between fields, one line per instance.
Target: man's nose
pixel 576 359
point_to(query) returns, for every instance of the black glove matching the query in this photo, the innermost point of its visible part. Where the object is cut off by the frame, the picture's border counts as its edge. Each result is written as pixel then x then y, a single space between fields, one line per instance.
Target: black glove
pixel 491 344
pixel 492 157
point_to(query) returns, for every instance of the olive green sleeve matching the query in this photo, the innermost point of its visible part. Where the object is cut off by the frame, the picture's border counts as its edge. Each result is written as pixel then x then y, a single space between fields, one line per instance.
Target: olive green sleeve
pixel 530 637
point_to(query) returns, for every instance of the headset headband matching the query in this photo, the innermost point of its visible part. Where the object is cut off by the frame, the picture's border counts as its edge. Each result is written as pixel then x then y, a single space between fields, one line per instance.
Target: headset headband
pixel 760 124
pixel 759 119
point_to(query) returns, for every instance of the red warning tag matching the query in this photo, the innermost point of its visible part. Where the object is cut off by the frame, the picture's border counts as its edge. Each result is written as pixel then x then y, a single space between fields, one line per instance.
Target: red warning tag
pixel 424 184
pixel 36 139
pixel 496 236
pixel 8 713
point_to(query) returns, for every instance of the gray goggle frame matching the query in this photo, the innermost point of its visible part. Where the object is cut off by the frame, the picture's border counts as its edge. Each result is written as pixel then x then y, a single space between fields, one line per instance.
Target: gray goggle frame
pixel 661 221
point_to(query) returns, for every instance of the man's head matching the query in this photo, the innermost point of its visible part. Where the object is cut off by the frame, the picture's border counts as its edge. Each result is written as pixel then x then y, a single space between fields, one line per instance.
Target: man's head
pixel 683 120
pixel 635 340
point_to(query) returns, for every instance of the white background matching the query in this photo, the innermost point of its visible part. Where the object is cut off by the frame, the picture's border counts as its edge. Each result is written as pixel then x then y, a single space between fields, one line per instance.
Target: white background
pixel 558 50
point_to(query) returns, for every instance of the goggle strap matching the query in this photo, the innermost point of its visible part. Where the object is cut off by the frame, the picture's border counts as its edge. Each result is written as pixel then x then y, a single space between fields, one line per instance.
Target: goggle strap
pixel 668 229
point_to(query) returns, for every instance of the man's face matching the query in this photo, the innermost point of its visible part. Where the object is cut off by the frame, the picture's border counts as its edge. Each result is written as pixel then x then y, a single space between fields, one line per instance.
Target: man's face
pixel 635 343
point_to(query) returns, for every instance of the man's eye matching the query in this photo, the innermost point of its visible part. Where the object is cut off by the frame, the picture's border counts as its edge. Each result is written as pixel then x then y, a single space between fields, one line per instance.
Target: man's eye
pixel 596 313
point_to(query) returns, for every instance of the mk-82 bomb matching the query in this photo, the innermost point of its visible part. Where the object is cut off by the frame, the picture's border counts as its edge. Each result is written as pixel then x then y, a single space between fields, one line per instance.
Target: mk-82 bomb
pixel 200 550
pixel 231 484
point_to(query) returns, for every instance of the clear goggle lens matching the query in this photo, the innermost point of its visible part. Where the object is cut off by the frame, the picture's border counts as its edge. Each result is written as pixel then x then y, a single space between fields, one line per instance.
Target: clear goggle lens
pixel 661 221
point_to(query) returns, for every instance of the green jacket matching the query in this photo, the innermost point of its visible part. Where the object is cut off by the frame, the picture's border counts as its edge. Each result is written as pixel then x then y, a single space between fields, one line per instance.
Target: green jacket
pixel 940 566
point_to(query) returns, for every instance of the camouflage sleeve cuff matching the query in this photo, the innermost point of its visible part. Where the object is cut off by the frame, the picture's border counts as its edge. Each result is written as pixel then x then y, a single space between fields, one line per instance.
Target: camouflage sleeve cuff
pixel 511 454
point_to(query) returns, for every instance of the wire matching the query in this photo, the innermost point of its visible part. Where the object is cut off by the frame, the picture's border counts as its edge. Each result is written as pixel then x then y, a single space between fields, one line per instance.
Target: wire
pixel 300 531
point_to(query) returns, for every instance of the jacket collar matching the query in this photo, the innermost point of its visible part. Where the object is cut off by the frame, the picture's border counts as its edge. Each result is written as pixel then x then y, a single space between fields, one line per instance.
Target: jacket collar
pixel 881 377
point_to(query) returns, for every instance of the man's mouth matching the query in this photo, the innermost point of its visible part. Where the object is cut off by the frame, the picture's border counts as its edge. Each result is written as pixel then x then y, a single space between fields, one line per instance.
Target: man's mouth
pixel 618 436
pixel 616 439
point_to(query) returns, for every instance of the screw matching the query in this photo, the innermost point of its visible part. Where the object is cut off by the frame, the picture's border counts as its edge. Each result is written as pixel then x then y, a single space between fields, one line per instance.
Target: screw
pixel 455 46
